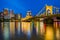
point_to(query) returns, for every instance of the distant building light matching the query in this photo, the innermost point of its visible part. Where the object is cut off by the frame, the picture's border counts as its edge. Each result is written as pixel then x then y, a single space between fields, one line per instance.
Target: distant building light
pixel 28 13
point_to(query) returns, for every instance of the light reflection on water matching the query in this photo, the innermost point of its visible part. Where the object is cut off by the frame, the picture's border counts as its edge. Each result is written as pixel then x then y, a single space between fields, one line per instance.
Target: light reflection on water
pixel 6 31
pixel 48 36
pixel 29 34
pixel 18 28
pixel 57 34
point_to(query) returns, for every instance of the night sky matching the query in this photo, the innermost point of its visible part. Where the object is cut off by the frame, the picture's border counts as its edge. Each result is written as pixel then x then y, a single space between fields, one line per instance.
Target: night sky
pixel 22 6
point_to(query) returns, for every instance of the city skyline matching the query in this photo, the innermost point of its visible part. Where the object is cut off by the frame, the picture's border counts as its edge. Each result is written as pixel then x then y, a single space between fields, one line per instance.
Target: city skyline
pixel 22 6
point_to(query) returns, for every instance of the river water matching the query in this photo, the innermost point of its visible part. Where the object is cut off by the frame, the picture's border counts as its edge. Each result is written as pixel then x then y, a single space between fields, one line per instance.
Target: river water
pixel 11 34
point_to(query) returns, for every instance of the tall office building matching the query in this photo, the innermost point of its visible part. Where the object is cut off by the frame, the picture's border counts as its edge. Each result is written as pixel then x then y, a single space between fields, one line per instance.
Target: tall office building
pixel 6 13
pixel 11 14
pixel 5 10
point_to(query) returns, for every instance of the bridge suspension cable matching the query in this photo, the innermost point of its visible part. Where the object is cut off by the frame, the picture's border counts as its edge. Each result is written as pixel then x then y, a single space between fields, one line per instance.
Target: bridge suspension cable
pixel 40 11
pixel 56 10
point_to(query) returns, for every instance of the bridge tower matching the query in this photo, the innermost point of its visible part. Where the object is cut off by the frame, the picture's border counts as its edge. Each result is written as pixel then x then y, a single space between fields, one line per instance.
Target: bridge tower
pixel 49 10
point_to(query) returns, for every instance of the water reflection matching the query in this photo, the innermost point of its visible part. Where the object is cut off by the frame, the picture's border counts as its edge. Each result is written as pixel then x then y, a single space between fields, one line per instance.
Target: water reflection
pixel 18 28
pixel 1 33
pixel 57 34
pixel 49 33
pixel 28 35
pixel 12 30
pixel 8 30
